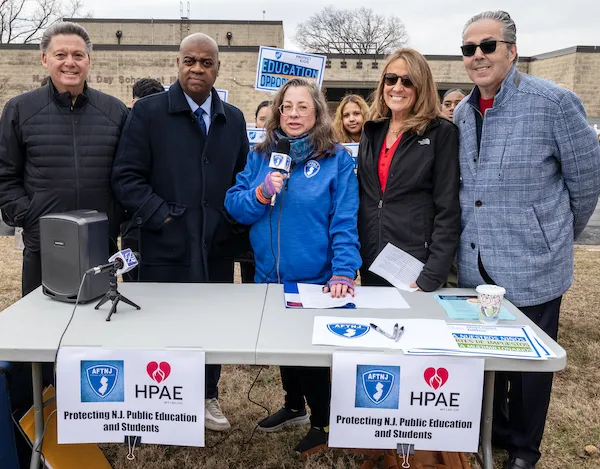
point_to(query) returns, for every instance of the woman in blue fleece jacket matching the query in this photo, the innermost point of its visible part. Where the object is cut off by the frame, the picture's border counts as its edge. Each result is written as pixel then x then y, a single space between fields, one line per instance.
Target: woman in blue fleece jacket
pixel 309 236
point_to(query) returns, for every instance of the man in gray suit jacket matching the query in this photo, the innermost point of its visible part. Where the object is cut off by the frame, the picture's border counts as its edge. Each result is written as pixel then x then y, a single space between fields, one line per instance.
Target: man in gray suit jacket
pixel 530 169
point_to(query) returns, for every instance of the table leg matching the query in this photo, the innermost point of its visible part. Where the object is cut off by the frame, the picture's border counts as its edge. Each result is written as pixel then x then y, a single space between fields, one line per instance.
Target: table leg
pixel 486 420
pixel 38 409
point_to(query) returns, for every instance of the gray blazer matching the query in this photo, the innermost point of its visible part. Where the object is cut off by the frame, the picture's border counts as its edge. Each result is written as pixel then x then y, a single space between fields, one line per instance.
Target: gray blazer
pixel 529 190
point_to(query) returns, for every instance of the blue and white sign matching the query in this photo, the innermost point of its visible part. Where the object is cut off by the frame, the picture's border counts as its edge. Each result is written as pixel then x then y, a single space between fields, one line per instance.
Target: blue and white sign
pixel 102 395
pixel 102 381
pixel 348 330
pixel 377 387
pixel 381 399
pixel 353 150
pixel 223 95
pixel 277 66
pixel 255 136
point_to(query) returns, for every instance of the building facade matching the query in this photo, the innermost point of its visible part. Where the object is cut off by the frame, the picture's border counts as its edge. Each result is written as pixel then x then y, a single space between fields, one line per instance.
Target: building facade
pixel 127 50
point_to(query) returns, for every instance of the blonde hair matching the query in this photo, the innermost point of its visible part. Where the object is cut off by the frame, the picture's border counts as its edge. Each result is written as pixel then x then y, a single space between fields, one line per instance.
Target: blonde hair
pixel 338 123
pixel 427 104
pixel 321 136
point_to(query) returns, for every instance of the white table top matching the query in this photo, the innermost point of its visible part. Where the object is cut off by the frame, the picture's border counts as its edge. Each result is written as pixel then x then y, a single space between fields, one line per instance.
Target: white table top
pixel 285 336
pixel 221 319
pixel 243 324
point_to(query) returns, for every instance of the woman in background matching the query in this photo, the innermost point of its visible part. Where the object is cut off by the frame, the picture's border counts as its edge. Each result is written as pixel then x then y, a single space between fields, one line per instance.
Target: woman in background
pixel 262 114
pixel 350 117
pixel 450 100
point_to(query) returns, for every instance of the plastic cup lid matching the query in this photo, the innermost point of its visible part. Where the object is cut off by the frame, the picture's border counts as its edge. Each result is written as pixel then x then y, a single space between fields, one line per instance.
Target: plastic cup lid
pixel 490 290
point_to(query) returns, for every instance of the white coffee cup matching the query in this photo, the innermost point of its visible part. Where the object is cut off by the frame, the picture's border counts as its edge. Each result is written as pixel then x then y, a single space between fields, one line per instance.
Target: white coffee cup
pixel 490 302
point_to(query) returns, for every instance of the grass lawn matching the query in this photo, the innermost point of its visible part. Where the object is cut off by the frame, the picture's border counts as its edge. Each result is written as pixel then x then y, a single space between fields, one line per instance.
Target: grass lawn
pixel 573 420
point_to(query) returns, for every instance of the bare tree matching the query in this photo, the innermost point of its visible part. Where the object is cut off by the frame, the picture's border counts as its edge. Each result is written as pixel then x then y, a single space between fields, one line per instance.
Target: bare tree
pixel 24 21
pixel 359 31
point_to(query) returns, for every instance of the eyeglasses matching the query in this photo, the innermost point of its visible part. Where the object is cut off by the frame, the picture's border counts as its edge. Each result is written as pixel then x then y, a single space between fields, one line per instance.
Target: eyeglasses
pixel 390 79
pixel 302 109
pixel 487 47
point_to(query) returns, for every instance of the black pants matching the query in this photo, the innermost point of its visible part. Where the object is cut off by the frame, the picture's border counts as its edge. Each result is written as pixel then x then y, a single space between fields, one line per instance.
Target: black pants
pixel 521 400
pixel 312 383
pixel 32 271
pixel 369 279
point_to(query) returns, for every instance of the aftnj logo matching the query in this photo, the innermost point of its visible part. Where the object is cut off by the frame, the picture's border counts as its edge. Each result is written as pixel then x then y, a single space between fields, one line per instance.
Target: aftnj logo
pixel 377 386
pixel 102 381
pixel 435 378
pixel 349 330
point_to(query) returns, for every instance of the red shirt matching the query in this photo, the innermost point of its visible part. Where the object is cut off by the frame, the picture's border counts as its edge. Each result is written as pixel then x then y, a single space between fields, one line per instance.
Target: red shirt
pixel 485 104
pixel 385 160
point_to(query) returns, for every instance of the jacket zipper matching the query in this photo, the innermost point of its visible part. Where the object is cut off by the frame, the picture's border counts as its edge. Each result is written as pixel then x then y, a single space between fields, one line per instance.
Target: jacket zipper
pixel 75 155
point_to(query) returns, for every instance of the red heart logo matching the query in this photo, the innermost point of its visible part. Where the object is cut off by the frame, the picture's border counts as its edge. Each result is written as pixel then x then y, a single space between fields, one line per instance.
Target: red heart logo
pixel 435 378
pixel 158 372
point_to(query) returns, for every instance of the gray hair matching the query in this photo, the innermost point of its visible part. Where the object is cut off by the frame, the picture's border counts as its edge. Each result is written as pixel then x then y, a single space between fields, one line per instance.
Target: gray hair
pixel 509 28
pixel 65 28
pixel 452 90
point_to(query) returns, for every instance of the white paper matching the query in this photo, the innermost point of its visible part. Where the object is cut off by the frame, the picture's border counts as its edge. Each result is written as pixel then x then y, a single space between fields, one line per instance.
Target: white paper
pixel 397 267
pixel 103 395
pixel 312 296
pixel 380 400
pixel 357 332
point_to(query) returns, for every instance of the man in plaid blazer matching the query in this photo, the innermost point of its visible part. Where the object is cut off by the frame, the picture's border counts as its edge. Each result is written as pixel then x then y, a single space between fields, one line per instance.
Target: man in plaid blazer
pixel 530 170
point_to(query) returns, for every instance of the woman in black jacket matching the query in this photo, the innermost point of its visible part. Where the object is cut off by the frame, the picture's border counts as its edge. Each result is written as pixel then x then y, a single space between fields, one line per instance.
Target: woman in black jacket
pixel 408 173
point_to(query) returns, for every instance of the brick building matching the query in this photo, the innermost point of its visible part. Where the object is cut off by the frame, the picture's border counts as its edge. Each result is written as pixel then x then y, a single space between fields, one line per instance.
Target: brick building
pixel 126 50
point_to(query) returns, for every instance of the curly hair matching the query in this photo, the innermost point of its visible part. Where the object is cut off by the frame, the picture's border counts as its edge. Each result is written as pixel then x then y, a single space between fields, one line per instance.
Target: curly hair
pixel 338 123
pixel 321 136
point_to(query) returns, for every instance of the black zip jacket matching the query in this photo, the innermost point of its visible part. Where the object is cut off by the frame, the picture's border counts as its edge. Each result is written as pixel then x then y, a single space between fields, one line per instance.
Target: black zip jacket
pixel 57 156
pixel 419 211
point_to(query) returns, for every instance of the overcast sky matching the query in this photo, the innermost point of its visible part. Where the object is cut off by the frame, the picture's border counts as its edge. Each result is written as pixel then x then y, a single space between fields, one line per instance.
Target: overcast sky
pixel 434 26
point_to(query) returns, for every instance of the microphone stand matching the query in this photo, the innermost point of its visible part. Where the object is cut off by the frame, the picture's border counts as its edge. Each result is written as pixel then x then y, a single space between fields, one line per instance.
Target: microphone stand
pixel 113 295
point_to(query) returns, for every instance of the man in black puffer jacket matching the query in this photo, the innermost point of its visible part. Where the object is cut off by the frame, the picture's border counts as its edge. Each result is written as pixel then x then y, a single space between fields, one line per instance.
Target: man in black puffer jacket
pixel 57 146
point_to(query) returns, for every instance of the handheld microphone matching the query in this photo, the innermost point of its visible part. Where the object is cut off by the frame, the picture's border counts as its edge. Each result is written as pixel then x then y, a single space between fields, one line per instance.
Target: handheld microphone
pixel 280 160
pixel 124 261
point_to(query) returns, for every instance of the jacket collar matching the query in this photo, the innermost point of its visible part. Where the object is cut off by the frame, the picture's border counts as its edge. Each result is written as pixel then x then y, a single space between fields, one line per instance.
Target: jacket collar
pixel 178 103
pixel 509 86
pixel 65 99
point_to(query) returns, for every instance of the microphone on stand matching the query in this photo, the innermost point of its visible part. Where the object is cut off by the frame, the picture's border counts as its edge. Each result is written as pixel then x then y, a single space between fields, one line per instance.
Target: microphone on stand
pixel 280 160
pixel 123 261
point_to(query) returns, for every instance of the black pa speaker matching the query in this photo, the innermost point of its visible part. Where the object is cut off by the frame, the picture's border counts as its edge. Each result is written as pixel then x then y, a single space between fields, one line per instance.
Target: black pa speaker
pixel 70 244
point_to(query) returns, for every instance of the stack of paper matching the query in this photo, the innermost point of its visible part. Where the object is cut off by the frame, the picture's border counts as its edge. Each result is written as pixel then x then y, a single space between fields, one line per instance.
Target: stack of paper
pixel 492 341
pixel 431 337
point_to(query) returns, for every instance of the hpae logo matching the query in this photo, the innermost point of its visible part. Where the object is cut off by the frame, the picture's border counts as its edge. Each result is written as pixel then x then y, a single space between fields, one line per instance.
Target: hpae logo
pixel 159 372
pixel 435 378
pixel 348 330
pixel 444 400
pixel 102 381
pixel 377 386
pixel 311 168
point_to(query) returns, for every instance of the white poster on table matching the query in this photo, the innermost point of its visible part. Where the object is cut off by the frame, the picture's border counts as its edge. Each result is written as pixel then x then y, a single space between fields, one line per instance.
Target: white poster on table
pixel 277 66
pixel 381 400
pixel 103 395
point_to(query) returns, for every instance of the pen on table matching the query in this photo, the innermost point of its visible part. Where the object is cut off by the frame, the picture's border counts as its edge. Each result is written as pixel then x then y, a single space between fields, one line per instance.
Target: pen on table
pixel 399 334
pixel 381 331
pixel 395 333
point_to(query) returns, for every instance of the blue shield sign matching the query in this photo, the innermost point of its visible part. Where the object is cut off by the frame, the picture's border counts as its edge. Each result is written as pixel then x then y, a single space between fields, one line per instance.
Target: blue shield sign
pixel 102 379
pixel 349 330
pixel 377 386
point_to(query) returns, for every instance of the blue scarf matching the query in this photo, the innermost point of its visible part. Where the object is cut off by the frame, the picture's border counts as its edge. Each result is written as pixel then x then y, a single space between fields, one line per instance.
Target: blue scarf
pixel 301 149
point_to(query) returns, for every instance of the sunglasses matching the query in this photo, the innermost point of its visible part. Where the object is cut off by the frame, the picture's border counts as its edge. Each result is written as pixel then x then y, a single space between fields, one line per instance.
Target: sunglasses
pixel 390 79
pixel 487 47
